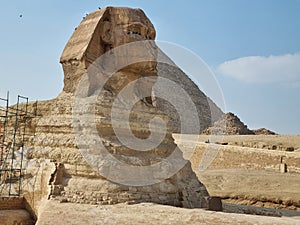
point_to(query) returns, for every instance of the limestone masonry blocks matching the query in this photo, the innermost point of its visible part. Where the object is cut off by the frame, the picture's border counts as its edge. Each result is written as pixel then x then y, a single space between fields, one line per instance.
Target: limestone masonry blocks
pixel 74 179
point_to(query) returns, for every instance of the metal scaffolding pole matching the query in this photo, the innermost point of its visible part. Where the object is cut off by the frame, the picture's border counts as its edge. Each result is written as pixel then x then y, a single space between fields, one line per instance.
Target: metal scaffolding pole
pixel 13 136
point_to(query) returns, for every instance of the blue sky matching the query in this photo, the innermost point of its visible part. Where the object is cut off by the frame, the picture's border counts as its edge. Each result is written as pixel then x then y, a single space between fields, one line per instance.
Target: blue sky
pixel 253 47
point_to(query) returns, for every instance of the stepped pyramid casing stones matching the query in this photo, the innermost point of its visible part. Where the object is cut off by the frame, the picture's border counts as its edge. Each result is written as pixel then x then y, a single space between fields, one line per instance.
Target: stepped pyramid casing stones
pixel 75 180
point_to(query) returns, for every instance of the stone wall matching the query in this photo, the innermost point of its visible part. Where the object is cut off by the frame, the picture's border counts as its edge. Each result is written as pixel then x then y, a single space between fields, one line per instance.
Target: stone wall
pixel 15 211
pixel 7 203
pixel 244 157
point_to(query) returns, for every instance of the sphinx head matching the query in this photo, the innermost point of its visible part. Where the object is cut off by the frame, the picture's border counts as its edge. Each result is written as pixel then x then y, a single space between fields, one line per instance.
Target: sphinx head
pixel 124 25
pixel 101 33
pixel 131 29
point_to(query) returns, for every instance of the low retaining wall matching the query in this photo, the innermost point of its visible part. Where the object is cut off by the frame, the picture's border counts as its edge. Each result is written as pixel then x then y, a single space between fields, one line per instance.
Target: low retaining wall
pixel 12 203
pixel 15 210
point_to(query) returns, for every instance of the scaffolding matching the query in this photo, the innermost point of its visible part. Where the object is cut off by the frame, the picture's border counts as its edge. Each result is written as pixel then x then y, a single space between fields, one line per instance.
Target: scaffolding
pixel 13 121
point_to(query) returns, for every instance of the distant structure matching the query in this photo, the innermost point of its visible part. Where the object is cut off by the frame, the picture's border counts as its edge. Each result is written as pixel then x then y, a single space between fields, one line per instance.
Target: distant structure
pixel 208 111
pixel 228 124
pixel 263 131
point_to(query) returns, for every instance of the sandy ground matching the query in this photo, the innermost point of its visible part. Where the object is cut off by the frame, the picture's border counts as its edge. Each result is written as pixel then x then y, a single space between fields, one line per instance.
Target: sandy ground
pixel 247 175
pixel 253 187
pixel 147 213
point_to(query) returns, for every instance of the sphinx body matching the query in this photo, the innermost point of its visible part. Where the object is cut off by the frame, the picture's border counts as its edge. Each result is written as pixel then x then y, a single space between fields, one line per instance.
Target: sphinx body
pixel 78 179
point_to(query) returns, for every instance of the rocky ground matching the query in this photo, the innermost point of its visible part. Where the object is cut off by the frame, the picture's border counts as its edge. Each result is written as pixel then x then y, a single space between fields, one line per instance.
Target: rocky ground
pixel 147 213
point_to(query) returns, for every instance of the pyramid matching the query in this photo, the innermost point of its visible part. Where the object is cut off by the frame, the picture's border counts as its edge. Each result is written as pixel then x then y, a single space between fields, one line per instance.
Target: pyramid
pixel 207 111
pixel 228 124
pixel 263 131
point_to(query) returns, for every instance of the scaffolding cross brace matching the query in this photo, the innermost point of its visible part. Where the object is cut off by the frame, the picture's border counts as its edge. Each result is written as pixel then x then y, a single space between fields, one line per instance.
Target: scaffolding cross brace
pixel 13 122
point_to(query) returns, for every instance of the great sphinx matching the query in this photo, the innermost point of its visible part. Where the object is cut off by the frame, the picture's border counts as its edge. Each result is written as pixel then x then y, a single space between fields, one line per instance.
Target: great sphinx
pixel 81 175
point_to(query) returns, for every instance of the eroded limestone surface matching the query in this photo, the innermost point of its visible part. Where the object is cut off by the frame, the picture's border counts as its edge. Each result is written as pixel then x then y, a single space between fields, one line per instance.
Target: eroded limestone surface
pixel 74 179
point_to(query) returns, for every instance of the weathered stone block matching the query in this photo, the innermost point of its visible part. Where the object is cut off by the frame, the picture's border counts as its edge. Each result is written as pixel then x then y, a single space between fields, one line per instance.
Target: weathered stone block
pixel 213 203
pixel 283 168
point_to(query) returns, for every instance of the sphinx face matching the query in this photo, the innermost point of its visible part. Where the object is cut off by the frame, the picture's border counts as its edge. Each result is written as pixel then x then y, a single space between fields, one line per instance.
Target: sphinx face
pixel 132 26
pixel 134 29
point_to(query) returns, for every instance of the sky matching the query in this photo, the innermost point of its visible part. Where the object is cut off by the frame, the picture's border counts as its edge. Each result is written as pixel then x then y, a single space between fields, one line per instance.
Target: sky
pixel 252 47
